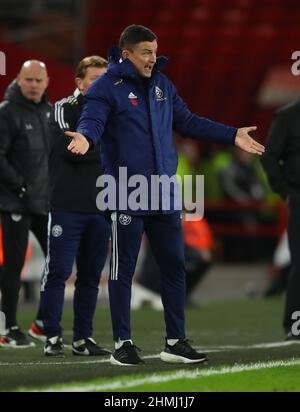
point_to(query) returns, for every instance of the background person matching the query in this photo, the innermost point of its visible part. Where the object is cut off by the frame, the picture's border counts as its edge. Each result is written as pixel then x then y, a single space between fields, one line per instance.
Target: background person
pixel 282 165
pixel 77 230
pixel 24 194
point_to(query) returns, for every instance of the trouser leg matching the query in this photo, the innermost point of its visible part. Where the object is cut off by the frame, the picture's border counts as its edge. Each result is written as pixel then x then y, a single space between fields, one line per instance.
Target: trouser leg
pixel 166 239
pixel 126 240
pixel 90 262
pixel 149 277
pixel 64 232
pixel 15 231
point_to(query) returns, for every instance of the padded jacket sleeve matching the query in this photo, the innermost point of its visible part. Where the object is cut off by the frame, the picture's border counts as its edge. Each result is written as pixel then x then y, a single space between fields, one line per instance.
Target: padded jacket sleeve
pixel 189 124
pixel 96 110
pixel 8 174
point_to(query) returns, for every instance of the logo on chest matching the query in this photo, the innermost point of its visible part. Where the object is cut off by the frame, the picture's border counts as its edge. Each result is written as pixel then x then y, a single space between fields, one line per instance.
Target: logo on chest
pixel 133 99
pixel 159 94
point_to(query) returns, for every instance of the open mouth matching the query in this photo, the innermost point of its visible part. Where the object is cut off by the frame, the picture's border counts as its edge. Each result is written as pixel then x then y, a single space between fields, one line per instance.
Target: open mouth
pixel 148 68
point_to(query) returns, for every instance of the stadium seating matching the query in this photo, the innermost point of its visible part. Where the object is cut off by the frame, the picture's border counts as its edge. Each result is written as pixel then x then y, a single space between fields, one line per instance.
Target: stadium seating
pixel 226 47
pixel 221 50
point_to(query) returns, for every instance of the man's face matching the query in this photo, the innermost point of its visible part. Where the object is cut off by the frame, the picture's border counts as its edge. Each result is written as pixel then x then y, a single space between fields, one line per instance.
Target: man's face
pixel 33 81
pixel 143 57
pixel 92 73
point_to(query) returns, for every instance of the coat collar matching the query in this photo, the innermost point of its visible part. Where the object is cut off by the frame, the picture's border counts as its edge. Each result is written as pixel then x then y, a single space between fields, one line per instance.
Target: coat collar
pixel 13 93
pixel 124 68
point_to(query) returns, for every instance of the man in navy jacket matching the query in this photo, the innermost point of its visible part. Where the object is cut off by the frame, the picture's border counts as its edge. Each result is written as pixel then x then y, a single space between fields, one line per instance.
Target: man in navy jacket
pixel 133 110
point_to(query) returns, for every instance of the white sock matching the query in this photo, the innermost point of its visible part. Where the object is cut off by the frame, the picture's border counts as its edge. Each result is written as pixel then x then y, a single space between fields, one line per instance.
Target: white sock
pixel 120 343
pixel 172 342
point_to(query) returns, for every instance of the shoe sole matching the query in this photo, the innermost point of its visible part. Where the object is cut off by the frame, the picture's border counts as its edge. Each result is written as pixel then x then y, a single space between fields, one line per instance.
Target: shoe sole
pixel 87 353
pixel 51 355
pixel 14 346
pixel 170 358
pixel 114 361
pixel 77 353
pixel 41 338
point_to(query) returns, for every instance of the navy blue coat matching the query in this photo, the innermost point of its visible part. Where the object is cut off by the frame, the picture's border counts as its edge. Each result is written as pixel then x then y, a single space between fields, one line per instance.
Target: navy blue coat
pixel 134 119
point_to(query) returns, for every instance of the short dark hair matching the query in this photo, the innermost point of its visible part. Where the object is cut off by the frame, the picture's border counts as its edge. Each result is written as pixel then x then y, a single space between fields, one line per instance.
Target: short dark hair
pixel 134 35
pixel 90 61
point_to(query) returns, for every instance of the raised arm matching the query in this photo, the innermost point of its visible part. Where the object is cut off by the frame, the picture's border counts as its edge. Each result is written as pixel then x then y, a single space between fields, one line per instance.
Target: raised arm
pixel 200 128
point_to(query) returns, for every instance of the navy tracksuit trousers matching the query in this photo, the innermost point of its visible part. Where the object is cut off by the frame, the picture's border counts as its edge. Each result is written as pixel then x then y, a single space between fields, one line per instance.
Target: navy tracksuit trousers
pixel 80 236
pixel 166 240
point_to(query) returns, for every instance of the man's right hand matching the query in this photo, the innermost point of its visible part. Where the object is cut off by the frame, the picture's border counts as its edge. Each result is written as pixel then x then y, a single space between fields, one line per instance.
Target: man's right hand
pixel 79 144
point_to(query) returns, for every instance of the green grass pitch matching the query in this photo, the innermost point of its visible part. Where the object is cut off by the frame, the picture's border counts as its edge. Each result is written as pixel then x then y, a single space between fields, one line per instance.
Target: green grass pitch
pixel 244 341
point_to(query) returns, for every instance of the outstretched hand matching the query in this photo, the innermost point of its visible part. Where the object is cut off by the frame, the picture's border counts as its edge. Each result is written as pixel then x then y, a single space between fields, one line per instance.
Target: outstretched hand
pixel 244 141
pixel 79 144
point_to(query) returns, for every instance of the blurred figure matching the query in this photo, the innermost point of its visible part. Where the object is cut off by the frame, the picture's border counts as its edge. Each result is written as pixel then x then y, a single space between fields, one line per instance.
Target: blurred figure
pixel 77 230
pixel 24 198
pixel 240 179
pixel 242 183
pixel 198 248
pixel 212 164
pixel 198 245
pixel 282 165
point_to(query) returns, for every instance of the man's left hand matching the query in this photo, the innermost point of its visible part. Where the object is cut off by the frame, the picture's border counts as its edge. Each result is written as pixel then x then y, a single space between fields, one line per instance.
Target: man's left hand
pixel 245 142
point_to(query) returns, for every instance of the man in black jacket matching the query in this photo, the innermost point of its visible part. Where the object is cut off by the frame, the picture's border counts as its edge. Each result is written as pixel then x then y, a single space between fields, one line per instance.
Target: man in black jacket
pixel 77 230
pixel 282 165
pixel 24 203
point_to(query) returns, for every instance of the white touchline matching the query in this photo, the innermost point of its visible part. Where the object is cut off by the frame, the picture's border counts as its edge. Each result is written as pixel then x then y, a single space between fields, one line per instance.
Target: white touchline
pixel 212 349
pixel 254 346
pixel 181 374
pixel 208 349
